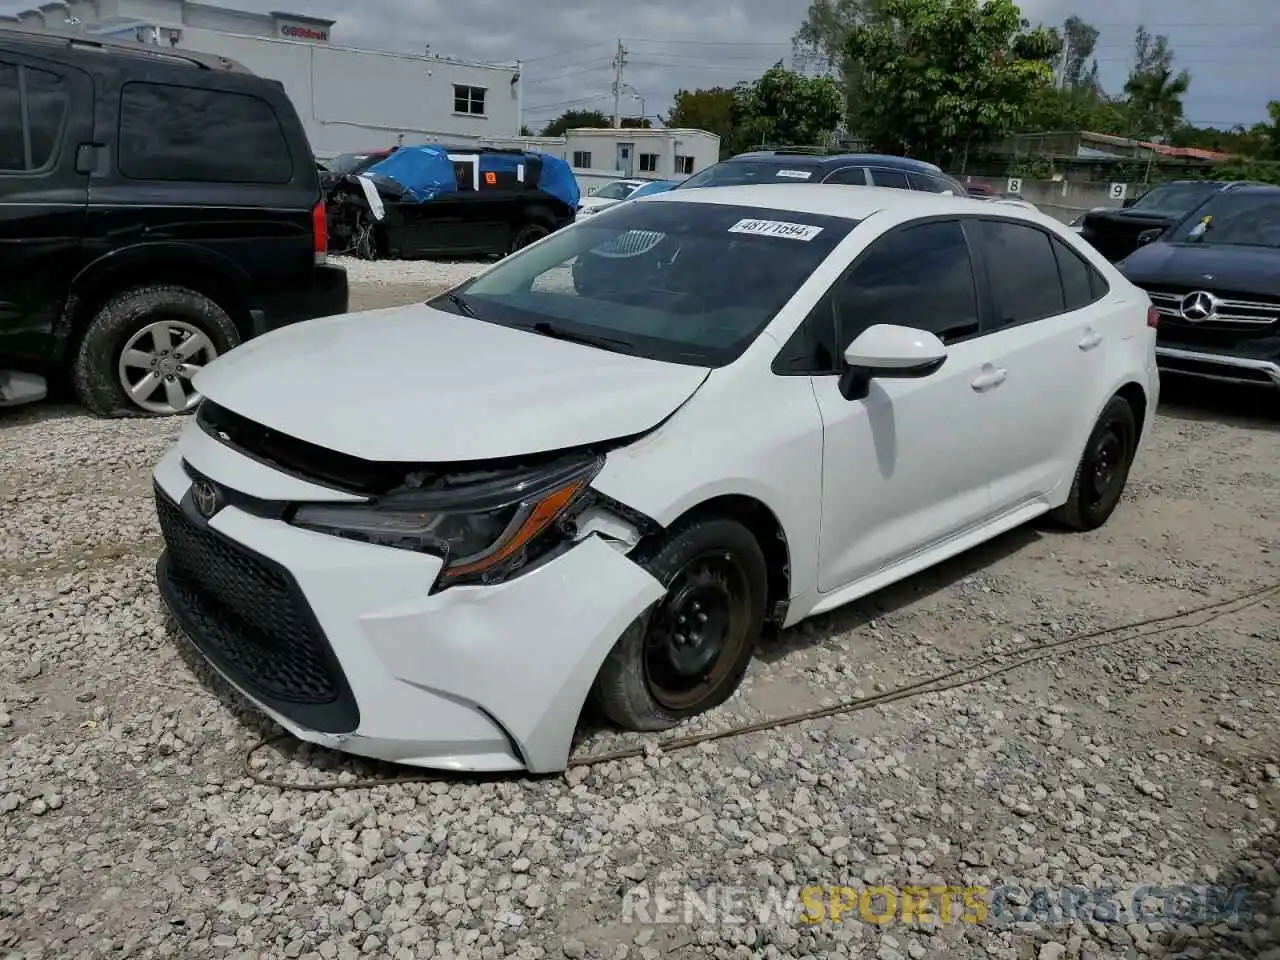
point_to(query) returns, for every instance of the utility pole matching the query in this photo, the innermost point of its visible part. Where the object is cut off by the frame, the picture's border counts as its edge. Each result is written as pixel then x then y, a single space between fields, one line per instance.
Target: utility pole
pixel 1062 66
pixel 619 61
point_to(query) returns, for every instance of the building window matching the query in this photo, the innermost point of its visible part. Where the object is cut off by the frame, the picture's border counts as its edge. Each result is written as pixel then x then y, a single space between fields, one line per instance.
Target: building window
pixel 582 159
pixel 469 100
pixel 684 164
pixel 648 163
pixel 169 132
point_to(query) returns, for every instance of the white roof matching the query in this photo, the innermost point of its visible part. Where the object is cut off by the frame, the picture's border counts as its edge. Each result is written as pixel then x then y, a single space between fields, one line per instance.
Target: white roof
pixel 837 200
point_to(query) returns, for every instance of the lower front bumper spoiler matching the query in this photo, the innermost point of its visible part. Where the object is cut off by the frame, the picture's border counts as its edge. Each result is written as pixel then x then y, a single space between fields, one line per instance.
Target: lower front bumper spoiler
pixel 1218 366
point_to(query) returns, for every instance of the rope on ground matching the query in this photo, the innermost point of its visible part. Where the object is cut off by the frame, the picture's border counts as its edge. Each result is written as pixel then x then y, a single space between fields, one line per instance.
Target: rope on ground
pixel 964 675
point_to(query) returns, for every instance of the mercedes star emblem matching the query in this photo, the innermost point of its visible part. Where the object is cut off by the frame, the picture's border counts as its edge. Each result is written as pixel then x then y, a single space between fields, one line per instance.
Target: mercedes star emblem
pixel 1198 306
pixel 204 496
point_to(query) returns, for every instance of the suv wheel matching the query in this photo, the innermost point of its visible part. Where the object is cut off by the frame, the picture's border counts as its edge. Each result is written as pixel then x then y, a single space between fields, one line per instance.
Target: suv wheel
pixel 142 348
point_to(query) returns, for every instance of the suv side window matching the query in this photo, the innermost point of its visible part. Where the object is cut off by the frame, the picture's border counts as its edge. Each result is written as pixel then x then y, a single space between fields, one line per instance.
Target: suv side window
pixel 851 175
pixel 884 177
pixel 1022 271
pixel 33 113
pixel 917 276
pixel 928 184
pixel 170 132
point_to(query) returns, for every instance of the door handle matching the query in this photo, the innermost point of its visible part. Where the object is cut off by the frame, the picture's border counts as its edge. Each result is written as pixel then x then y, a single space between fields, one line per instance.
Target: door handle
pixel 990 380
pixel 1090 340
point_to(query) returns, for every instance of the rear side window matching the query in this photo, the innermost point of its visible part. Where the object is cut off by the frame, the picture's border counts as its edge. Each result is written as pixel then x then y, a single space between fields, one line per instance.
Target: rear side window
pixel 896 179
pixel 1022 270
pixel 1081 284
pixel 168 132
pixel 33 113
pixel 850 175
pixel 923 181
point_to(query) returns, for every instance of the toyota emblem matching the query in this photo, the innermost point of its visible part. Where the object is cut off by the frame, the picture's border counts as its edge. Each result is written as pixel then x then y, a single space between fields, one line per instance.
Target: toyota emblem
pixel 204 496
pixel 1199 306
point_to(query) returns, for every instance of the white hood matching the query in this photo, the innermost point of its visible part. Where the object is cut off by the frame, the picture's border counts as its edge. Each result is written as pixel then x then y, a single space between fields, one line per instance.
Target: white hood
pixel 418 384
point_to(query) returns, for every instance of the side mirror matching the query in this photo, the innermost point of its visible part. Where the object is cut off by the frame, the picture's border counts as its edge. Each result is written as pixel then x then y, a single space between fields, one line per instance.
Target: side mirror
pixel 1150 236
pixel 889 351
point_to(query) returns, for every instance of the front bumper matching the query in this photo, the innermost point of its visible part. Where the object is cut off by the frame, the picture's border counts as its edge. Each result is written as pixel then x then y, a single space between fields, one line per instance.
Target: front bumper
pixel 342 644
pixel 1223 367
pixel 326 295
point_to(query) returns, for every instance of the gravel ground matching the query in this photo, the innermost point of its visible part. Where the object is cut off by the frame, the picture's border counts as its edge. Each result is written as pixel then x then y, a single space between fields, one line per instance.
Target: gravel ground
pixel 431 273
pixel 128 826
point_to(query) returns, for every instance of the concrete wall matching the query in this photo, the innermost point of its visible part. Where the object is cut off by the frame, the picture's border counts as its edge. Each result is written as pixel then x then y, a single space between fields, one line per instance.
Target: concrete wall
pixel 1062 199
pixel 353 100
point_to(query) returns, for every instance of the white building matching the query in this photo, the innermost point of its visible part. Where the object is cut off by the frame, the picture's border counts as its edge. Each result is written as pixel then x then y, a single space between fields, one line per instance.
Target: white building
pixel 348 99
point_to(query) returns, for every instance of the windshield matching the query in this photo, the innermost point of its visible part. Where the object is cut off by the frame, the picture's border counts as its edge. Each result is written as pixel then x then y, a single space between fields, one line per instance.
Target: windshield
pixel 733 172
pixel 615 191
pixel 680 282
pixel 1175 197
pixel 346 163
pixel 1242 219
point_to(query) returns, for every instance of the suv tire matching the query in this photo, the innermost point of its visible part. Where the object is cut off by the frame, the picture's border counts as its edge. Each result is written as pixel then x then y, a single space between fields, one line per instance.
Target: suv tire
pixel 130 322
pixel 527 234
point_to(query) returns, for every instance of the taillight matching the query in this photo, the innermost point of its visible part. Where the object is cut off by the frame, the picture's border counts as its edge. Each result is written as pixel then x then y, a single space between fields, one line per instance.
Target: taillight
pixel 320 232
pixel 1153 317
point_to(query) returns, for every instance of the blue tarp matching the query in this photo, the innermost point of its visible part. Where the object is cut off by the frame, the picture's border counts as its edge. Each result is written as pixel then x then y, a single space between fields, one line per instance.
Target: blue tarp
pixel 424 171
pixel 558 180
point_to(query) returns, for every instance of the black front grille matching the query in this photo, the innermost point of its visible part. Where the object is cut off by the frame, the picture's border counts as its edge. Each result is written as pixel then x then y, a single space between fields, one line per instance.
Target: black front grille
pixel 247 615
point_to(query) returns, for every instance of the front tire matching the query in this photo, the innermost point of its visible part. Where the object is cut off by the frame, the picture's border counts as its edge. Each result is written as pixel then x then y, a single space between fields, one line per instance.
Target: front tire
pixel 527 234
pixel 143 347
pixel 1103 469
pixel 689 652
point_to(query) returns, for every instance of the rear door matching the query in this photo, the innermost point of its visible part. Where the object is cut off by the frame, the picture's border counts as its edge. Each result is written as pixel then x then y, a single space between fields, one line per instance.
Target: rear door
pixel 46 112
pixel 1047 328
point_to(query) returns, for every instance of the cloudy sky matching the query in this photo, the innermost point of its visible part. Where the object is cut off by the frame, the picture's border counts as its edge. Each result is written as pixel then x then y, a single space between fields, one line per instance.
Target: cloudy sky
pixel 567 44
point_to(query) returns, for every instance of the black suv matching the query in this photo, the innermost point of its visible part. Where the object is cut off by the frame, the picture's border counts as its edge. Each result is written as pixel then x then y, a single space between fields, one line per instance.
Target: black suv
pixel 1115 232
pixel 157 207
pixel 805 166
pixel 1214 278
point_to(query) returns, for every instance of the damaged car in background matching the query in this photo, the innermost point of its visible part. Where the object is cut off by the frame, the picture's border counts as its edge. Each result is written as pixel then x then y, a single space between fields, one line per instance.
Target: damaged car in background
pixel 434 201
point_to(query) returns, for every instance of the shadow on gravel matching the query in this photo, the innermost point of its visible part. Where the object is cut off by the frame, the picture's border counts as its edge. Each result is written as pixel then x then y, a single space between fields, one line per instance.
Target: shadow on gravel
pixel 893 598
pixel 1253 931
pixel 39 412
pixel 1249 408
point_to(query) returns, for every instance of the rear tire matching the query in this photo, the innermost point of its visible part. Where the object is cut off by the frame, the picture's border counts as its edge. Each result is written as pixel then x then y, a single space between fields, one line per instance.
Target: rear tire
pixel 1103 469
pixel 134 324
pixel 527 234
pixel 689 652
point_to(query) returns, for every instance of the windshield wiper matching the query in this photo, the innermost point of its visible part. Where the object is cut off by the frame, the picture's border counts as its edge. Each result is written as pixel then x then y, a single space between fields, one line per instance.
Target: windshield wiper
pixel 461 304
pixel 548 329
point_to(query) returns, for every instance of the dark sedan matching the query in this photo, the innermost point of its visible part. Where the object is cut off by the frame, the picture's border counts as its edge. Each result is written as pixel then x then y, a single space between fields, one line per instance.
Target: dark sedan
pixel 1215 280
pixel 1115 232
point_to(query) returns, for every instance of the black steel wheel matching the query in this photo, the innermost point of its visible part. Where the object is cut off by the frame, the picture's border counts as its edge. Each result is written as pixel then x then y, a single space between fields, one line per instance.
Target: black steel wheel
pixel 689 652
pixel 1103 469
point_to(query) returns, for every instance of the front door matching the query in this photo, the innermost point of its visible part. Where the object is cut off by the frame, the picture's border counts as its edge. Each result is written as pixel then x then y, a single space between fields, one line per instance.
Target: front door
pixel 908 466
pixel 43 198
pixel 625 160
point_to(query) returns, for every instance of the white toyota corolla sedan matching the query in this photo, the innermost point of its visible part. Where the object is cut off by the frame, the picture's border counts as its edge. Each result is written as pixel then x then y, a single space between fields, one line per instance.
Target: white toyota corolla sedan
pixel 606 465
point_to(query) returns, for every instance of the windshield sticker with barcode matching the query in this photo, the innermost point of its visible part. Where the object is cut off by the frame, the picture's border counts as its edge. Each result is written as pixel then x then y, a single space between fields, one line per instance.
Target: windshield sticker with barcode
pixel 795 174
pixel 776 228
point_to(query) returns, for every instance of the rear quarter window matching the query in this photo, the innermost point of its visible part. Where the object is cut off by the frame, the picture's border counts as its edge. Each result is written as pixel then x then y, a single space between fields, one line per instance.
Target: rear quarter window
pixel 172 132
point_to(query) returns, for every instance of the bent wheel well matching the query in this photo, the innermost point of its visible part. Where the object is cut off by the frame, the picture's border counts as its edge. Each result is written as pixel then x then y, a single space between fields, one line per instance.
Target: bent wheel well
pixel 1136 397
pixel 764 526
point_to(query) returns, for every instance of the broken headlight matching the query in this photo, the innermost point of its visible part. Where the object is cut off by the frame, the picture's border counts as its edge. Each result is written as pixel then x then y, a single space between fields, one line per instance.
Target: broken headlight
pixel 485 528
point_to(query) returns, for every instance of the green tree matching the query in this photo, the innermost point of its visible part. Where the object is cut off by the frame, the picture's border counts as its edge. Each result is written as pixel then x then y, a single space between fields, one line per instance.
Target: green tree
pixel 575 118
pixel 784 107
pixel 822 38
pixel 946 74
pixel 1154 90
pixel 1080 39
pixel 1268 134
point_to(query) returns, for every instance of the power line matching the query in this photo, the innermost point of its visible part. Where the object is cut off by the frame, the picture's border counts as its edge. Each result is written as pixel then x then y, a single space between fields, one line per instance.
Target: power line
pixel 567 103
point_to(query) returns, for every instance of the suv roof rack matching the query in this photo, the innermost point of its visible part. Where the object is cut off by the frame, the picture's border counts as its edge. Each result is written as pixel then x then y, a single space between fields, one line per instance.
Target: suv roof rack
pixel 800 151
pixel 72 39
